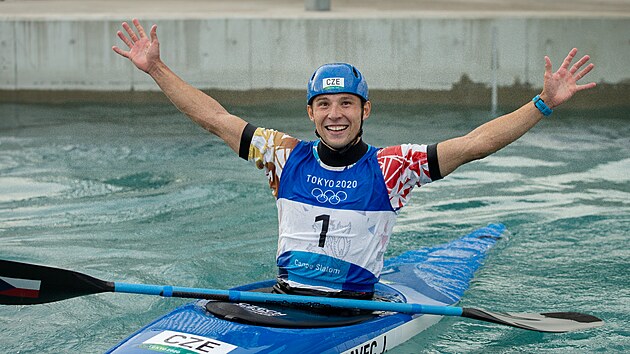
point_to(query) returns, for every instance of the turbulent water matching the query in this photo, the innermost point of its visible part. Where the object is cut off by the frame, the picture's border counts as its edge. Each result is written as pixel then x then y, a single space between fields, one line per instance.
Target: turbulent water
pixel 137 193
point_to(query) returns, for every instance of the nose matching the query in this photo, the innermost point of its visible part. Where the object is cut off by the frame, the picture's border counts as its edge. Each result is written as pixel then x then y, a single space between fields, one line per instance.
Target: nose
pixel 335 111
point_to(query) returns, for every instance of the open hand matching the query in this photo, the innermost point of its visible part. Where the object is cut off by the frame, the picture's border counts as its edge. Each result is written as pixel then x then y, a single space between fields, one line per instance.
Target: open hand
pixel 143 52
pixel 560 86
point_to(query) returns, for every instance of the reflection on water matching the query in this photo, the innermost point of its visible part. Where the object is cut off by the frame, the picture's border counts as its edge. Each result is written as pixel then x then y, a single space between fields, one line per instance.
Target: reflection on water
pixel 137 193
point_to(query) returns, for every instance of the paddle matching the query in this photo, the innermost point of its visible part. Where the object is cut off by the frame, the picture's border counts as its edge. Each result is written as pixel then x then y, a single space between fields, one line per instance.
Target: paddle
pixel 29 284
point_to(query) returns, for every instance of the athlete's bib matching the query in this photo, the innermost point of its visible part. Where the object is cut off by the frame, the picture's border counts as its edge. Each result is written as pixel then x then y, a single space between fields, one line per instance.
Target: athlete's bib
pixel 334 225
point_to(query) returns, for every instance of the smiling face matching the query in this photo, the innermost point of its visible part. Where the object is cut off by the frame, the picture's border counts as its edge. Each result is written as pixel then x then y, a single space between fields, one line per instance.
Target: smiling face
pixel 338 117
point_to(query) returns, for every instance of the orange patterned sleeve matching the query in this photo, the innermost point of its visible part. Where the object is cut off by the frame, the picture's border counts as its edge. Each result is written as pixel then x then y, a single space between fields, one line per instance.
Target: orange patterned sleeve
pixel 269 150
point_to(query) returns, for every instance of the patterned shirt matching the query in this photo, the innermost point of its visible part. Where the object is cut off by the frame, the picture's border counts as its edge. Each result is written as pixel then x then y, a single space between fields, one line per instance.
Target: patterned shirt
pixel 403 166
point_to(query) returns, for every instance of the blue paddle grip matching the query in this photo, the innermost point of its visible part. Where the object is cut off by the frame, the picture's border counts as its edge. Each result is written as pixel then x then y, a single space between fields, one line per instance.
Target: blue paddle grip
pixel 142 289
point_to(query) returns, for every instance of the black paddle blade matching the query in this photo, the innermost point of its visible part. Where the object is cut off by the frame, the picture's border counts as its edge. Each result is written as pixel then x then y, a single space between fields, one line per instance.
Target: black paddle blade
pixel 557 322
pixel 29 284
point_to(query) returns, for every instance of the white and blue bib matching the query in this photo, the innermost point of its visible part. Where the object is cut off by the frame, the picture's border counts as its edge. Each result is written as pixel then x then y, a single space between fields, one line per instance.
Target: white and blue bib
pixel 334 225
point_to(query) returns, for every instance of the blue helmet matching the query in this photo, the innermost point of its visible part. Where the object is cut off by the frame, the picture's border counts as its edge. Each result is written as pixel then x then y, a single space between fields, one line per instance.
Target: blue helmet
pixel 336 78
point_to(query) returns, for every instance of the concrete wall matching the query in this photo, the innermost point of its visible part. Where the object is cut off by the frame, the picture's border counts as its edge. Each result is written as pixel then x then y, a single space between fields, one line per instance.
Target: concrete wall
pixel 257 53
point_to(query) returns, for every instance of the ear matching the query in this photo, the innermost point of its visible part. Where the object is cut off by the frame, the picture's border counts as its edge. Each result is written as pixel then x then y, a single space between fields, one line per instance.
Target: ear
pixel 367 109
pixel 309 111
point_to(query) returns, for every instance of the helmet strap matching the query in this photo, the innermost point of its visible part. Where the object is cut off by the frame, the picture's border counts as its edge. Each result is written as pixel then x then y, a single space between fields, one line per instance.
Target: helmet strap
pixel 352 143
pixel 344 156
pixel 347 147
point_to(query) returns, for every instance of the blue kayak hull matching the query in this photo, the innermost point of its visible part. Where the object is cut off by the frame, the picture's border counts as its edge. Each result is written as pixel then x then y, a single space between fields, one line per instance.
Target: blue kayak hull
pixel 435 276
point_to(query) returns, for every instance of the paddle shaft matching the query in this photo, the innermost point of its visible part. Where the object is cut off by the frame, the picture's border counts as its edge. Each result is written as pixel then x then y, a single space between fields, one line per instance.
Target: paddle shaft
pixel 282 299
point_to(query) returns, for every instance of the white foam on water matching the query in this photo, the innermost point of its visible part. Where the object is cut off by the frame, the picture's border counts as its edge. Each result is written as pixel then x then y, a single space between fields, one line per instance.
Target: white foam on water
pixel 14 189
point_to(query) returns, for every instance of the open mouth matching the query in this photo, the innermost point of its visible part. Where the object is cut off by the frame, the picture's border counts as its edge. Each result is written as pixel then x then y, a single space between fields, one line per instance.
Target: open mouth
pixel 336 128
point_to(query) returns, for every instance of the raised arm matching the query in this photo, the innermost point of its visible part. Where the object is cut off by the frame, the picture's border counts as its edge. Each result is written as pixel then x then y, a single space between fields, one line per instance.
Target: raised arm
pixel 144 53
pixel 490 137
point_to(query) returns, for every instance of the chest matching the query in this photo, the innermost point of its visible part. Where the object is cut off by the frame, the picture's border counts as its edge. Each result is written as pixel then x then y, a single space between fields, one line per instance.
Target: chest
pixel 360 187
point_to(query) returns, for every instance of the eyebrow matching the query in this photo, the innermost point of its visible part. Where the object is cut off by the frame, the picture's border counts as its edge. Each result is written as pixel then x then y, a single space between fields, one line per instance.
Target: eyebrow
pixel 342 96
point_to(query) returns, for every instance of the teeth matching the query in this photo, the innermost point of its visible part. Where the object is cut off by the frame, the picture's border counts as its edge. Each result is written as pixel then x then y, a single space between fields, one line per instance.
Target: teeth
pixel 337 128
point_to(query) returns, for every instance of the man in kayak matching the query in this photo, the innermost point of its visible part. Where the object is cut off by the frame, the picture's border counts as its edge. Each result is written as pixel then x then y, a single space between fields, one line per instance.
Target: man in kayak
pixel 337 196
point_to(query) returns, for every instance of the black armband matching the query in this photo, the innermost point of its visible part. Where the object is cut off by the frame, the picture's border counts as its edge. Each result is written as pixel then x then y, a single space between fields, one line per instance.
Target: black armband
pixel 432 159
pixel 246 140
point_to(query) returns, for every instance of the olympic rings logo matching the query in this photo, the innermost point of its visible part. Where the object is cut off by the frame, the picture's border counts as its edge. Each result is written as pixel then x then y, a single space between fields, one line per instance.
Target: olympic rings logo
pixel 329 196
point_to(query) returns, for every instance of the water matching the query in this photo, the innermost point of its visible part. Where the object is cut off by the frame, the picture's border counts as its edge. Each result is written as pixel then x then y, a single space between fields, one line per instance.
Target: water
pixel 137 193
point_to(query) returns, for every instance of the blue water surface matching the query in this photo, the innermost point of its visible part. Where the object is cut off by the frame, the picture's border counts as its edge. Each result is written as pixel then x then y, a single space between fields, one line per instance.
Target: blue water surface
pixel 137 193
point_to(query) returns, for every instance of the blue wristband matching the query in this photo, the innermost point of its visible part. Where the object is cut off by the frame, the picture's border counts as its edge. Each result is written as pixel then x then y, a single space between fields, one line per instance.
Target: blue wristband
pixel 542 107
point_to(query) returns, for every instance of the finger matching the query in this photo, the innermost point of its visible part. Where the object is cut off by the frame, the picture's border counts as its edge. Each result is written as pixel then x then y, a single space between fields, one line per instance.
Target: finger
pixel 139 28
pixel 579 64
pixel 121 52
pixel 568 59
pixel 547 65
pixel 583 73
pixel 154 33
pixel 590 85
pixel 131 33
pixel 124 39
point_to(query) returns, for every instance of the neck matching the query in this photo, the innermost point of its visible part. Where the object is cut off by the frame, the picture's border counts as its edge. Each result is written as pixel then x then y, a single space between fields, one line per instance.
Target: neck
pixel 343 157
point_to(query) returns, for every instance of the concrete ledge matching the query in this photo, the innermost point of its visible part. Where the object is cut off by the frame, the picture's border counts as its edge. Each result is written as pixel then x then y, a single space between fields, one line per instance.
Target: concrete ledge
pixel 242 46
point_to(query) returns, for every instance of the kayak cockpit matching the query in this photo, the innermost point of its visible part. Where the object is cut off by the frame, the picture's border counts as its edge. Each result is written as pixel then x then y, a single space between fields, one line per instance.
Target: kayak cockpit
pixel 293 316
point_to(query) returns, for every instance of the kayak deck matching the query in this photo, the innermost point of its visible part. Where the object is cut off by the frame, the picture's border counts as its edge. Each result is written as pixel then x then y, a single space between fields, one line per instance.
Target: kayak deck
pixel 436 275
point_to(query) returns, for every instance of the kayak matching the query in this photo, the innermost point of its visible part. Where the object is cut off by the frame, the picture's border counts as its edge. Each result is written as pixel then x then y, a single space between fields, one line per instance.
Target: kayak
pixel 416 288
pixel 436 275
